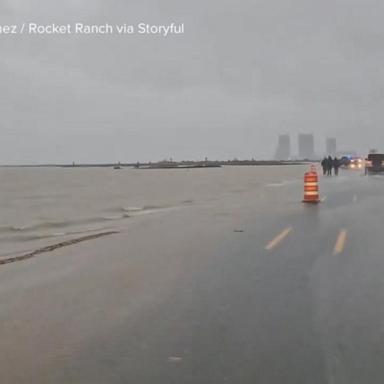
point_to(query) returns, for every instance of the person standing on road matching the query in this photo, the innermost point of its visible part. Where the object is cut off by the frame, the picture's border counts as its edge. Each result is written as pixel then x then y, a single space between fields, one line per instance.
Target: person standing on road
pixel 324 165
pixel 329 166
pixel 336 165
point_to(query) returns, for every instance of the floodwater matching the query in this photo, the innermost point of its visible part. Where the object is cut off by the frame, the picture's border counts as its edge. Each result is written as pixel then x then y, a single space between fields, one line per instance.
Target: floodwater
pixel 42 205
pixel 210 276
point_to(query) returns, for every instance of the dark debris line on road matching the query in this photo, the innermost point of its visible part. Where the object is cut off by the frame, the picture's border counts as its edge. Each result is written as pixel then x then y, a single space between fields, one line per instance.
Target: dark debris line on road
pixel 53 247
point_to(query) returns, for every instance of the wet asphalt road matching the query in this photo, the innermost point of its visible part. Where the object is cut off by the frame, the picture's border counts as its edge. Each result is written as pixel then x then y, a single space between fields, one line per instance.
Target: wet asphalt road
pixel 254 287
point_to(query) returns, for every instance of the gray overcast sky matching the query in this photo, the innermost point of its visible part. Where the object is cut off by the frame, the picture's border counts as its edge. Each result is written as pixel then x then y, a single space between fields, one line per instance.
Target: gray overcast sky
pixel 243 72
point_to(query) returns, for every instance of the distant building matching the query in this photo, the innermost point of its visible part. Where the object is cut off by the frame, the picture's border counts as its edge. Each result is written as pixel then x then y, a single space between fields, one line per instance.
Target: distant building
pixel 306 146
pixel 283 151
pixel 330 146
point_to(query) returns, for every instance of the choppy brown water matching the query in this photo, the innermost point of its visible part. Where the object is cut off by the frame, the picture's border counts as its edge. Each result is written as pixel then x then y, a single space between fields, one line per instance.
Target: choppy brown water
pixel 186 291
pixel 42 205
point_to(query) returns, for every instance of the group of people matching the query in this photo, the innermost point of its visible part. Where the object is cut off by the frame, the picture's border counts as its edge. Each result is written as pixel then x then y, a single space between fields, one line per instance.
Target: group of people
pixel 328 164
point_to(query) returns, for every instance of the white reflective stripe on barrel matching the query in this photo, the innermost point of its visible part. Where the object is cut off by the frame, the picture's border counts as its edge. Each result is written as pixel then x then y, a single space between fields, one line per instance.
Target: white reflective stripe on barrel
pixel 308 184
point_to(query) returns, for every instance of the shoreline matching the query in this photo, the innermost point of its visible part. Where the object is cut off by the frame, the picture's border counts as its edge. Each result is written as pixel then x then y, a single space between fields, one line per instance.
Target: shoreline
pixel 166 165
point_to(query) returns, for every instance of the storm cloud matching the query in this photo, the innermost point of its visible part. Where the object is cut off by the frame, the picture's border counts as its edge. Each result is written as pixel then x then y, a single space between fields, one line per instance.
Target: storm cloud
pixel 243 72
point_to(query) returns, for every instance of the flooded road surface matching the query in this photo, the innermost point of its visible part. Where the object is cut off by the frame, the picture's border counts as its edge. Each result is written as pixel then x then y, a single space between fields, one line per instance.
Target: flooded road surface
pixel 42 206
pixel 244 284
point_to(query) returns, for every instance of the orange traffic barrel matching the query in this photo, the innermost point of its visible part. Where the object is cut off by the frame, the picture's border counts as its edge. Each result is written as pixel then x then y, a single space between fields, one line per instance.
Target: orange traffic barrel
pixel 311 186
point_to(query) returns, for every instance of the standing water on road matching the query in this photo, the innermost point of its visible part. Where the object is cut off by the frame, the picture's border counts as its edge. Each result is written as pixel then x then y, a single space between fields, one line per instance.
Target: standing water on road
pixel 40 205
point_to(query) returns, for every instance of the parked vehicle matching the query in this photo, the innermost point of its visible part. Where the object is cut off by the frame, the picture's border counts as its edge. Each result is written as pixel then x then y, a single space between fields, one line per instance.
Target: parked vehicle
pixel 374 163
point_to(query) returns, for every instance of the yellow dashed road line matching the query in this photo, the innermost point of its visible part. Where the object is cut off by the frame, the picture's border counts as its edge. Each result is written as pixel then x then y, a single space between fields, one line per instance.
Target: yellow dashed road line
pixel 278 239
pixel 340 242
